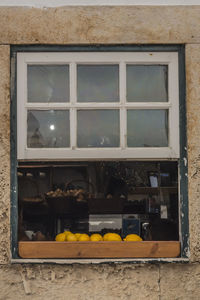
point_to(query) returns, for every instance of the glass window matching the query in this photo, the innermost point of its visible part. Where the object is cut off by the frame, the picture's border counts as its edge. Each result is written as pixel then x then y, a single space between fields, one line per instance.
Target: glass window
pixel 116 101
pixel 98 128
pixel 98 83
pixel 147 128
pixel 98 153
pixel 48 83
pixel 48 129
pixel 147 83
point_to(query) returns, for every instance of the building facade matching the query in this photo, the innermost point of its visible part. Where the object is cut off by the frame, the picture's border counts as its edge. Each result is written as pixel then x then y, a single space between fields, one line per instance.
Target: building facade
pixel 102 25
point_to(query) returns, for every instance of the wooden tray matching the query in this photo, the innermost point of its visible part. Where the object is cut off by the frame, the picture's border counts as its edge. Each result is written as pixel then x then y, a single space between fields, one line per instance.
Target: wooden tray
pixel 147 249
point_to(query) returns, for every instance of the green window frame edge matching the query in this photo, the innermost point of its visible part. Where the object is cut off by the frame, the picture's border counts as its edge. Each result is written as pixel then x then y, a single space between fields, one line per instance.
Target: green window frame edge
pixel 183 209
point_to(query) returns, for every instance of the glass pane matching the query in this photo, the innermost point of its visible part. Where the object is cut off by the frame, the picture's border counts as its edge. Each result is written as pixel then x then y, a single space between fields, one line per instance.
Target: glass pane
pixel 48 83
pixel 48 129
pixel 98 128
pixel 147 128
pixel 98 83
pixel 147 83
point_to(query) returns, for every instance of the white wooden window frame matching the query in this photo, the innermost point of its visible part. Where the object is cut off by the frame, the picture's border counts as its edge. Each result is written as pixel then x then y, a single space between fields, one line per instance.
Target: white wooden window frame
pixel 121 58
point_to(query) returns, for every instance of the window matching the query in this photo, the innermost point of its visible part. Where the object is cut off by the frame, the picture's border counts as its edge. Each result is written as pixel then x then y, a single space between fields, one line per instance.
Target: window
pixel 98 143
pixel 98 105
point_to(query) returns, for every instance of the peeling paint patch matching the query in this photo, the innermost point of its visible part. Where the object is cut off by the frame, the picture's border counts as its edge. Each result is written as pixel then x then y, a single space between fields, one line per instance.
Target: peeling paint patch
pixel 185 161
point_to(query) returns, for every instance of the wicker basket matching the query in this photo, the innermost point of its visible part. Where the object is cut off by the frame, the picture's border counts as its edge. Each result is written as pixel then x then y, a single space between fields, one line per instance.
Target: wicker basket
pixel 65 204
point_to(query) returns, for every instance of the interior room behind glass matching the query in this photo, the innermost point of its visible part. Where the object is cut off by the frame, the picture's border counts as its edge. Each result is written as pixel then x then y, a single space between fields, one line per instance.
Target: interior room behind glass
pixel 98 197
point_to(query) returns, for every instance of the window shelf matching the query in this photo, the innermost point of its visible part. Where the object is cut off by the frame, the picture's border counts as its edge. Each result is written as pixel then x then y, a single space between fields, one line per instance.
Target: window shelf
pixel 145 249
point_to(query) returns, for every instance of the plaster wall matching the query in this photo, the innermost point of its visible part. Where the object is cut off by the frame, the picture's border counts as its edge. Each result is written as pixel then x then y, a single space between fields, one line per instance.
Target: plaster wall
pixel 102 25
pixel 57 3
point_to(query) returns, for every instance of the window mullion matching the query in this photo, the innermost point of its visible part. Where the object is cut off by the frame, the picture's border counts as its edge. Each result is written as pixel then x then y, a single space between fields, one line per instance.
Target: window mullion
pixel 73 126
pixel 122 82
pixel 73 83
pixel 122 93
pixel 73 101
pixel 123 128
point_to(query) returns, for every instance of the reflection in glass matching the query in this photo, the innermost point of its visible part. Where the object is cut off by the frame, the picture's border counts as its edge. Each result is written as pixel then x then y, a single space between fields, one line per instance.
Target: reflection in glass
pixel 98 83
pixel 48 83
pixel 48 129
pixel 147 83
pixel 98 128
pixel 147 128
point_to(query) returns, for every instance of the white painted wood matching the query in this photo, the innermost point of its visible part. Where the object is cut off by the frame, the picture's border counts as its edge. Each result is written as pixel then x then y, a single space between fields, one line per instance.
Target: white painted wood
pixel 21 111
pixel 121 58
pixel 98 57
pixel 100 153
pixel 174 109
pixel 122 96
pixel 72 83
pixel 100 105
pixel 58 3
pixel 73 128
pixel 48 105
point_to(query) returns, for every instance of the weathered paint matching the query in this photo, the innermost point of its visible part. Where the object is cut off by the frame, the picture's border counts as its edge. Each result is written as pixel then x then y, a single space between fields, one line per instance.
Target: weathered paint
pixel 183 168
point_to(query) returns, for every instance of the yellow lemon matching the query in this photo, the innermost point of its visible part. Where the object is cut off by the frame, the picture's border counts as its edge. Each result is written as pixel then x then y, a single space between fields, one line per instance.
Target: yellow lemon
pixel 71 237
pixel 67 232
pixel 112 237
pixel 132 238
pixel 83 237
pixel 96 237
pixel 60 237
pixel 77 235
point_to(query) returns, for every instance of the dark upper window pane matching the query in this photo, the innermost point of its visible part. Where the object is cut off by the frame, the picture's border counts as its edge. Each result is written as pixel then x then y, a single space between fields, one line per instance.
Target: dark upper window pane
pixel 147 83
pixel 98 83
pixel 98 128
pixel 147 128
pixel 48 83
pixel 48 129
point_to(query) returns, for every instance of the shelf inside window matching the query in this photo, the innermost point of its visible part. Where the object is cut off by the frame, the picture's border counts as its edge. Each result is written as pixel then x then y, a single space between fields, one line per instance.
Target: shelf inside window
pixel 144 249
pixel 154 190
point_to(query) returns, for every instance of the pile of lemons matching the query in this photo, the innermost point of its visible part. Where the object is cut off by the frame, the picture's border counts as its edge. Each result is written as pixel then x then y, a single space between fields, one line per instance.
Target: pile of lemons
pixel 95 237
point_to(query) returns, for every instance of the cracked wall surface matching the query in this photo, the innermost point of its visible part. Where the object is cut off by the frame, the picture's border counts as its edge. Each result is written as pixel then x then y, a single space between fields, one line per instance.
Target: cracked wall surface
pixel 193 125
pixel 102 25
pixel 79 25
pixel 4 153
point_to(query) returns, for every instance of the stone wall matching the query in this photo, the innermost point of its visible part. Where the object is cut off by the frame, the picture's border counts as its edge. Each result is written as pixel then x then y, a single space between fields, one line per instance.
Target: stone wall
pixel 102 25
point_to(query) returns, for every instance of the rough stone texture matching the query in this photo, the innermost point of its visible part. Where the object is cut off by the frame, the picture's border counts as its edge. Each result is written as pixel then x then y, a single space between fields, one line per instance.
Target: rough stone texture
pixel 103 25
pixel 193 125
pixel 79 282
pixel 79 25
pixel 4 153
pixel 180 282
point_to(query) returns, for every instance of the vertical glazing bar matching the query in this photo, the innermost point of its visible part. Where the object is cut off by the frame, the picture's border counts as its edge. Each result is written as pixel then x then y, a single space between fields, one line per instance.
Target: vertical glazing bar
pixel 122 93
pixel 73 100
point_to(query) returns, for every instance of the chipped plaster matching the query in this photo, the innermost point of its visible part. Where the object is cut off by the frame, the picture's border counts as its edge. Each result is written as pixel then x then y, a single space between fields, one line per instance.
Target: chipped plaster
pixel 104 25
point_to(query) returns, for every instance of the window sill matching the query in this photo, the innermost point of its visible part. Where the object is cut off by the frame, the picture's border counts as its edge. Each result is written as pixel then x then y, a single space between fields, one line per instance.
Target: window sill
pixel 96 250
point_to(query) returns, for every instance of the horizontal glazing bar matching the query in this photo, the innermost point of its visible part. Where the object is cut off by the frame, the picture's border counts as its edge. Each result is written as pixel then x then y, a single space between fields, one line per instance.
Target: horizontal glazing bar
pixel 136 105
